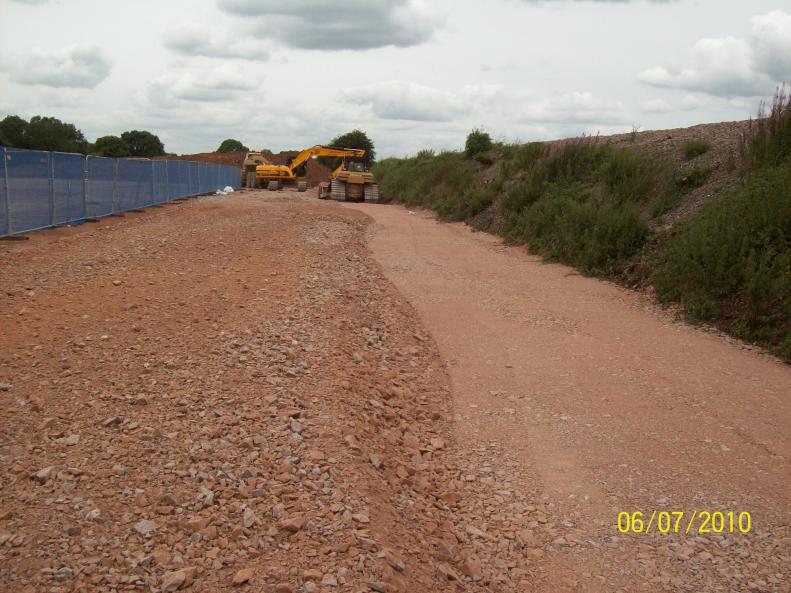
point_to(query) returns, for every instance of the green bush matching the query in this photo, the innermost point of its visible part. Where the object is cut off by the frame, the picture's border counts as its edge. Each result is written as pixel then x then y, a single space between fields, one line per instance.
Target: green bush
pixel 695 148
pixel 571 223
pixel 731 263
pixel 478 141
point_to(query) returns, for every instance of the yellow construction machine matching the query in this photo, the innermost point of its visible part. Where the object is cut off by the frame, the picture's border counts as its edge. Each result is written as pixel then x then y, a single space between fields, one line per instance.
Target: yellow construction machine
pixel 274 176
pixel 251 161
pixel 350 182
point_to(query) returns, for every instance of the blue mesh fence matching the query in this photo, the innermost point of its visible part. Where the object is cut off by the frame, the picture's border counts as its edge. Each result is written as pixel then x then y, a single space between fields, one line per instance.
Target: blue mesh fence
pixel 68 186
pixel 28 189
pixel 100 187
pixel 43 189
pixel 173 180
pixel 160 172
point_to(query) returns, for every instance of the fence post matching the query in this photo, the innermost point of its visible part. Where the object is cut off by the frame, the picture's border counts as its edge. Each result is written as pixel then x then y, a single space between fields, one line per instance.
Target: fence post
pixel 52 188
pixel 189 180
pixel 114 205
pixel 9 227
pixel 167 181
pixel 153 184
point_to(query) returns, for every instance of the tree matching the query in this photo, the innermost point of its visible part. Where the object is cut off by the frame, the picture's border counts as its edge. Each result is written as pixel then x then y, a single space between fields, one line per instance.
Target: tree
pixel 478 141
pixel 49 133
pixel 112 146
pixel 357 139
pixel 232 145
pixel 143 144
pixel 13 132
pixel 354 139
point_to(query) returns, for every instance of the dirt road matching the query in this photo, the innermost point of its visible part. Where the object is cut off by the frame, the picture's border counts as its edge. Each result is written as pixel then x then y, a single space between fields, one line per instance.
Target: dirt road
pixel 269 393
pixel 605 404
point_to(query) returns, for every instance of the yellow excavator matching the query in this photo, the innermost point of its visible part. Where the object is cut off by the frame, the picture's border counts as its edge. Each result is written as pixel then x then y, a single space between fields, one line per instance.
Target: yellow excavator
pixel 350 181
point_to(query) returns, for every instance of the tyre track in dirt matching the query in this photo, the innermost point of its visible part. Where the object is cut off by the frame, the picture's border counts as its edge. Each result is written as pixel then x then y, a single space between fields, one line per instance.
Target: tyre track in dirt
pixel 605 404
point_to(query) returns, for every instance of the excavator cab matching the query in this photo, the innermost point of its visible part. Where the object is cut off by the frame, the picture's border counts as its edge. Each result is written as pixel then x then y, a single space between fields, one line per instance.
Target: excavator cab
pixel 354 166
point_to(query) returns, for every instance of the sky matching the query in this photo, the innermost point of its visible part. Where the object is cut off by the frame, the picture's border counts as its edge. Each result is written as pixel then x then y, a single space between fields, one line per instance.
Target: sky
pixel 412 73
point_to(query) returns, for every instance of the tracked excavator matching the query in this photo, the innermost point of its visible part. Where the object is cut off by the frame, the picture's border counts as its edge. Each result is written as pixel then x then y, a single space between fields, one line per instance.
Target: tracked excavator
pixel 350 181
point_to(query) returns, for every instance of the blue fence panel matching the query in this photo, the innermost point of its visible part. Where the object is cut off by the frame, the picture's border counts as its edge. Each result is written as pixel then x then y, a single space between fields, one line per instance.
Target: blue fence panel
pixel 205 178
pixel 100 187
pixel 194 178
pixel 29 190
pixel 68 187
pixel 4 230
pixel 184 176
pixel 173 180
pixel 133 184
pixel 160 172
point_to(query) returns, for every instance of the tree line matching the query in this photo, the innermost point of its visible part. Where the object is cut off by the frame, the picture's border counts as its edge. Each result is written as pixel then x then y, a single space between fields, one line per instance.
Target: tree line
pixel 50 133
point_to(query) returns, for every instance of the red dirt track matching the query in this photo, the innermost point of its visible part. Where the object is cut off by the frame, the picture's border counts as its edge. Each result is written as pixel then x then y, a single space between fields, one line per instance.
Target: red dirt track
pixel 266 392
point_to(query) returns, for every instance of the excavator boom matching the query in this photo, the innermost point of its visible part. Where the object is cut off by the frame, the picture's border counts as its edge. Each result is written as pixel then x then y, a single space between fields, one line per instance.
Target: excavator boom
pixel 289 173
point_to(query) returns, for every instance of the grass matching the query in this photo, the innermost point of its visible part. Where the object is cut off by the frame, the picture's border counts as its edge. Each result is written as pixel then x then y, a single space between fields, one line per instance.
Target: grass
pixel 695 148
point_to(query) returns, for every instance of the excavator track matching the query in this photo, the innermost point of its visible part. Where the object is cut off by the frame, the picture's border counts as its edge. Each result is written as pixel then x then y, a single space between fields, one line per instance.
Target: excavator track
pixel 338 190
pixel 372 193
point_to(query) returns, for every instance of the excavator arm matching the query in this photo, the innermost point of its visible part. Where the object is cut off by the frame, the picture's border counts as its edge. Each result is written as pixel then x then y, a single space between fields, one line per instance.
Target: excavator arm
pixel 325 151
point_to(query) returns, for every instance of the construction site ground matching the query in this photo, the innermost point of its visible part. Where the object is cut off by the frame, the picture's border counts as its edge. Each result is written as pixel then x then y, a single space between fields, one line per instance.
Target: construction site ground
pixel 267 392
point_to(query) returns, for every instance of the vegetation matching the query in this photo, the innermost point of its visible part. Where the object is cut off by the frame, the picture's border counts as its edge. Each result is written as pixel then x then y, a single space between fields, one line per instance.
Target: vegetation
pixel 731 264
pixel 50 133
pixel 42 133
pixel 695 148
pixel 478 142
pixel 767 142
pixel 232 145
pixel 596 206
pixel 354 139
pixel 111 146
pixel 143 144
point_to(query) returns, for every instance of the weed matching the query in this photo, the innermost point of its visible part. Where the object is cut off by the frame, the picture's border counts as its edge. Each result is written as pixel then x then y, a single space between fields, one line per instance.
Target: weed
pixel 767 141
pixel 695 148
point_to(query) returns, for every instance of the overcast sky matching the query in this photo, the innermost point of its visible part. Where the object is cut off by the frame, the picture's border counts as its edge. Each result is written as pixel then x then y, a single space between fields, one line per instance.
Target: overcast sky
pixel 411 73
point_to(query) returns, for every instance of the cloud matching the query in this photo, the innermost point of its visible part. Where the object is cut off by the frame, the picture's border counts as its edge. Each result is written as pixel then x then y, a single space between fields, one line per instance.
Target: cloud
pixel 573 108
pixel 198 40
pixel 732 66
pixel 218 84
pixel 771 44
pixel 656 106
pixel 345 24
pixel 407 101
pixel 30 2
pixel 77 66
pixel 693 102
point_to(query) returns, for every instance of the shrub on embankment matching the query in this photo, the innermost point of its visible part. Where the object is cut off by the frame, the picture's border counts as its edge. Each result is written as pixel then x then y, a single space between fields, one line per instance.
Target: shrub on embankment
pixel 596 206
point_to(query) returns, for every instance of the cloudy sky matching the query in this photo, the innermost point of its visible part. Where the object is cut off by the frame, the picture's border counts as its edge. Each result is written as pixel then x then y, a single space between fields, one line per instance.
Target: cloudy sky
pixel 412 73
